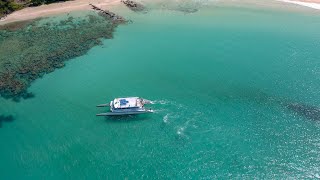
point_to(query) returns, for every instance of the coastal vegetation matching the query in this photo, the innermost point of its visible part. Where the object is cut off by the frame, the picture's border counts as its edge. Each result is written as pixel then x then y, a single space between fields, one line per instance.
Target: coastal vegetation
pixel 42 46
pixel 40 2
pixel 9 6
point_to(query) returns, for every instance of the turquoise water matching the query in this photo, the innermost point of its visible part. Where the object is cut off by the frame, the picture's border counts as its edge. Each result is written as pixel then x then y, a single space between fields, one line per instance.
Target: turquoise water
pixel 220 79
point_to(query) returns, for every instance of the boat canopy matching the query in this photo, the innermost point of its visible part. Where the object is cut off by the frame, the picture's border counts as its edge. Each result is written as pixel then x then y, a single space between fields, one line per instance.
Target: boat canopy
pixel 128 102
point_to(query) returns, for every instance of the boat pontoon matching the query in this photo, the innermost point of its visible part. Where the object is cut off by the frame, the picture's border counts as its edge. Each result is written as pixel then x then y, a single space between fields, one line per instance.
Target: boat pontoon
pixel 126 106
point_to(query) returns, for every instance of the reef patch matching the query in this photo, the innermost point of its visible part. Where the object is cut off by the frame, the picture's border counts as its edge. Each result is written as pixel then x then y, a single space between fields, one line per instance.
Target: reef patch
pixel 6 118
pixel 304 110
pixel 32 49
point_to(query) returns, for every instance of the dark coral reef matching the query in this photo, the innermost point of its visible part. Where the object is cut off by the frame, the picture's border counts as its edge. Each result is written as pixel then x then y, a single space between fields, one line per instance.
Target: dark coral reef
pixel 308 111
pixel 44 45
pixel 6 118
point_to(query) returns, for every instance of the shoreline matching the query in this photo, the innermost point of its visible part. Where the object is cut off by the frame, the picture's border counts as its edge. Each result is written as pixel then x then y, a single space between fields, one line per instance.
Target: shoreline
pixel 315 4
pixel 31 13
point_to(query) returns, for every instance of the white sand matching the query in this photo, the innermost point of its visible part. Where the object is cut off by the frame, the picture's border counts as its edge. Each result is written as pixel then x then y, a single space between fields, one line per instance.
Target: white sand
pixel 75 5
pixel 56 8
pixel 307 3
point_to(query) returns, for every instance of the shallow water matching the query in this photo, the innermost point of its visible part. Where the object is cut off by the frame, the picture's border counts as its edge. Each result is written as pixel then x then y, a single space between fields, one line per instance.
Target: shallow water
pixel 42 46
pixel 220 79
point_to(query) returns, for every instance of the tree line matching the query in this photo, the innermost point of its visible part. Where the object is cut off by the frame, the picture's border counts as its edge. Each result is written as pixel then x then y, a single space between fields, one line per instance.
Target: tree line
pixel 9 6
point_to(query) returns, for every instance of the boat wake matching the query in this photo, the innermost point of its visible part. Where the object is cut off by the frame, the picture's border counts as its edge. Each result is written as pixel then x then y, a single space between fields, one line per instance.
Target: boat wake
pixel 180 131
pixel 162 102
pixel 169 116
pixel 179 119
pixel 166 118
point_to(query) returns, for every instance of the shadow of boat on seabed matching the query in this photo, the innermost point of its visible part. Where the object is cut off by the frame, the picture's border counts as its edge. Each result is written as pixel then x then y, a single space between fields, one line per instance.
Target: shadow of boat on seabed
pixel 4 118
pixel 304 110
pixel 127 118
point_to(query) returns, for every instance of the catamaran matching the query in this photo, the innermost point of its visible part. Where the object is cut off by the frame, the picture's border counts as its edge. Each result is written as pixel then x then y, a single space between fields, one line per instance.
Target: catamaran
pixel 126 106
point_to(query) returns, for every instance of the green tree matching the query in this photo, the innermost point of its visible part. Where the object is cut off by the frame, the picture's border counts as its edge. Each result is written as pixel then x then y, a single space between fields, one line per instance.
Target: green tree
pixel 8 6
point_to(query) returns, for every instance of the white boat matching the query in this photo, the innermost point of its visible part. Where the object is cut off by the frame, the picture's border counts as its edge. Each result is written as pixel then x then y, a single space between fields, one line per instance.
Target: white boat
pixel 126 106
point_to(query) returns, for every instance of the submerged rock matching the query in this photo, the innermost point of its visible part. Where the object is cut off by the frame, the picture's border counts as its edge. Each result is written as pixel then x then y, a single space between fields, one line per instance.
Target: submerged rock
pixel 108 14
pixel 42 46
pixel 15 25
pixel 187 10
pixel 185 6
pixel 307 111
pixel 134 6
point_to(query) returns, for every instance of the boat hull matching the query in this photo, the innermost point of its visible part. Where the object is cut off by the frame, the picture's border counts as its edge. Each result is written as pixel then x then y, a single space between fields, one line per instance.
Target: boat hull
pixel 124 113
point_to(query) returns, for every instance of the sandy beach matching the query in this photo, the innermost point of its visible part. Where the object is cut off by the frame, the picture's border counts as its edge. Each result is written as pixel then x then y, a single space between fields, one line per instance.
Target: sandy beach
pixel 314 4
pixel 311 1
pixel 302 6
pixel 56 8
pixel 68 6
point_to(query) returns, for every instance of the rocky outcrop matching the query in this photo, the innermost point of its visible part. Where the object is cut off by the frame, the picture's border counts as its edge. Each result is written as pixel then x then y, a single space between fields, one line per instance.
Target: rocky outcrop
pixel 110 15
pixel 134 6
